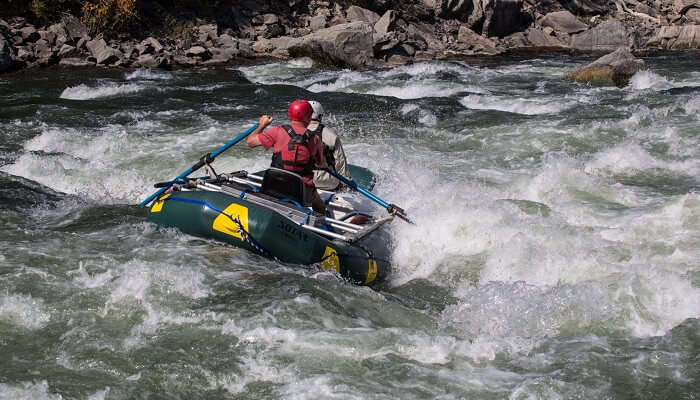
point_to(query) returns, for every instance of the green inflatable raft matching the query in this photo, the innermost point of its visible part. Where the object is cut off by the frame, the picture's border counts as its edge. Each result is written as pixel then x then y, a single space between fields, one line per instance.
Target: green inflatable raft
pixel 269 213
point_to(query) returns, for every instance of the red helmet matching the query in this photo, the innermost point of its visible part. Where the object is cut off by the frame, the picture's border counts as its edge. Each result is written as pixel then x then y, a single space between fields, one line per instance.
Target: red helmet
pixel 300 110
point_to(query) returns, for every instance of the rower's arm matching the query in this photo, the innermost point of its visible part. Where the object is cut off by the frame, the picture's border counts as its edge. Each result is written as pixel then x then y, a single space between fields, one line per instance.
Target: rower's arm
pixel 253 140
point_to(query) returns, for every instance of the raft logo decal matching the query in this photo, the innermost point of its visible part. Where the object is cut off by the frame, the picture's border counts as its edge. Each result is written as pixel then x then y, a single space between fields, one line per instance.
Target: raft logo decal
pixel 330 260
pixel 225 224
pixel 158 205
pixel 294 232
pixel 371 271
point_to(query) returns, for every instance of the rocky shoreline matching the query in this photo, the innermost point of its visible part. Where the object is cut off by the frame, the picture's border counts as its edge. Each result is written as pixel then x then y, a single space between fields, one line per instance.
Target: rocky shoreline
pixel 384 34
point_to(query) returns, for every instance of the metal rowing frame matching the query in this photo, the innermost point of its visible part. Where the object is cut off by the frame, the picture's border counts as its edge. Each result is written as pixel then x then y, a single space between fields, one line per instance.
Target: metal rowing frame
pixel 307 221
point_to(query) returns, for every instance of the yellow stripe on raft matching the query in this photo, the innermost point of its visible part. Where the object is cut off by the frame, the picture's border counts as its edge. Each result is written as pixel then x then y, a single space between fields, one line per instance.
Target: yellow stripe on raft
pixel 330 260
pixel 224 224
pixel 371 271
pixel 158 205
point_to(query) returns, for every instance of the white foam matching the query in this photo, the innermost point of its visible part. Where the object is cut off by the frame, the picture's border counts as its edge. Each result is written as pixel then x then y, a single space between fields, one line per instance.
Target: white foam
pixel 418 90
pixel 302 62
pixel 646 79
pixel 516 105
pixel 23 310
pixel 84 92
pixel 503 310
pixel 28 391
pixel 100 394
pixel 148 74
pixel 629 157
pixel 692 106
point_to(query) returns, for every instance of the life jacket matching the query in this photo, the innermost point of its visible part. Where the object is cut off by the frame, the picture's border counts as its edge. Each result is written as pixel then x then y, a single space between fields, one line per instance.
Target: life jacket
pixel 297 156
pixel 327 151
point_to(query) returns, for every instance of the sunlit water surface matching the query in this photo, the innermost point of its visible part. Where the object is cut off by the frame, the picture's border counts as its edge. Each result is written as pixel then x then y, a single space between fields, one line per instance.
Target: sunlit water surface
pixel 555 253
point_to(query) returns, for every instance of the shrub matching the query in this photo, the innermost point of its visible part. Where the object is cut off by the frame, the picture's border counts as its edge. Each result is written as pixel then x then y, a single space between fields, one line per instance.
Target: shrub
pixel 109 15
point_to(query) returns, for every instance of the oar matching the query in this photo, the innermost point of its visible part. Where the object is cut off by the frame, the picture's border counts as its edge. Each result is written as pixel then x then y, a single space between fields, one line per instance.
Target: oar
pixel 208 158
pixel 393 209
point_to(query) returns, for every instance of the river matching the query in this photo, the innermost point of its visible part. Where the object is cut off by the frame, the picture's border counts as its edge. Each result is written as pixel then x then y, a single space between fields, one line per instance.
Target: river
pixel 555 253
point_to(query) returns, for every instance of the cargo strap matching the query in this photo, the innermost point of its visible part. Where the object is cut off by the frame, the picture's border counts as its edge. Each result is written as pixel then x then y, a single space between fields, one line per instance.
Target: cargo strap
pixel 299 206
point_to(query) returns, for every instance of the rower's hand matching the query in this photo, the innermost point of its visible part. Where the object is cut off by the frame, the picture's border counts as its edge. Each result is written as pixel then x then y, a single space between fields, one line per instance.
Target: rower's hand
pixel 265 120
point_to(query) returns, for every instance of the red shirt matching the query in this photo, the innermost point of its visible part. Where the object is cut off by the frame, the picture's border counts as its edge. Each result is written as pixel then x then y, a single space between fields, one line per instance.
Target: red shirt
pixel 278 137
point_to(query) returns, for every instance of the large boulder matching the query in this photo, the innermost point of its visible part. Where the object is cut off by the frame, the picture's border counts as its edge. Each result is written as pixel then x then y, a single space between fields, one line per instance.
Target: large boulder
pixel 102 53
pixel 614 69
pixel 343 45
pixel 676 37
pixel 607 36
pixel 563 21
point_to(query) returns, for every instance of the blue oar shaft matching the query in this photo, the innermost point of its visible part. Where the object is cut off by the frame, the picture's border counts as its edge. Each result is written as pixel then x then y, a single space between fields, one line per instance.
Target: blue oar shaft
pixel 200 164
pixel 353 185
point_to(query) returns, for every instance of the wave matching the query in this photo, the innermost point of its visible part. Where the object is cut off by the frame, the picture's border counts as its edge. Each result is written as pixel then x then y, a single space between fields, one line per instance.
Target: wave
pixel 646 79
pixel 148 74
pixel 515 105
pixel 85 92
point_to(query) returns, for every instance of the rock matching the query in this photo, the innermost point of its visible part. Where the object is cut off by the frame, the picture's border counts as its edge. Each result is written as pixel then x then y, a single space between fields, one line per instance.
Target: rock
pixel 150 46
pixel 81 44
pixel 6 62
pixel 183 60
pixel 284 43
pixel 385 24
pixel 614 69
pixel 355 13
pixel 48 36
pixel 263 46
pixel 102 53
pixel 62 36
pixel 398 59
pixel 74 27
pixel 344 45
pixel 317 22
pixel 586 7
pixel 146 61
pixel 676 37
pixel 25 55
pixel 130 50
pixel 272 30
pixel 76 62
pixel 538 39
pixel 198 52
pixel 226 41
pixel 269 19
pixel 419 32
pixel 563 21
pixel 473 40
pixel 607 36
pixel 246 48
pixel 220 56
pixel 68 51
pixel 42 50
pixel 29 34
pixel 207 32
